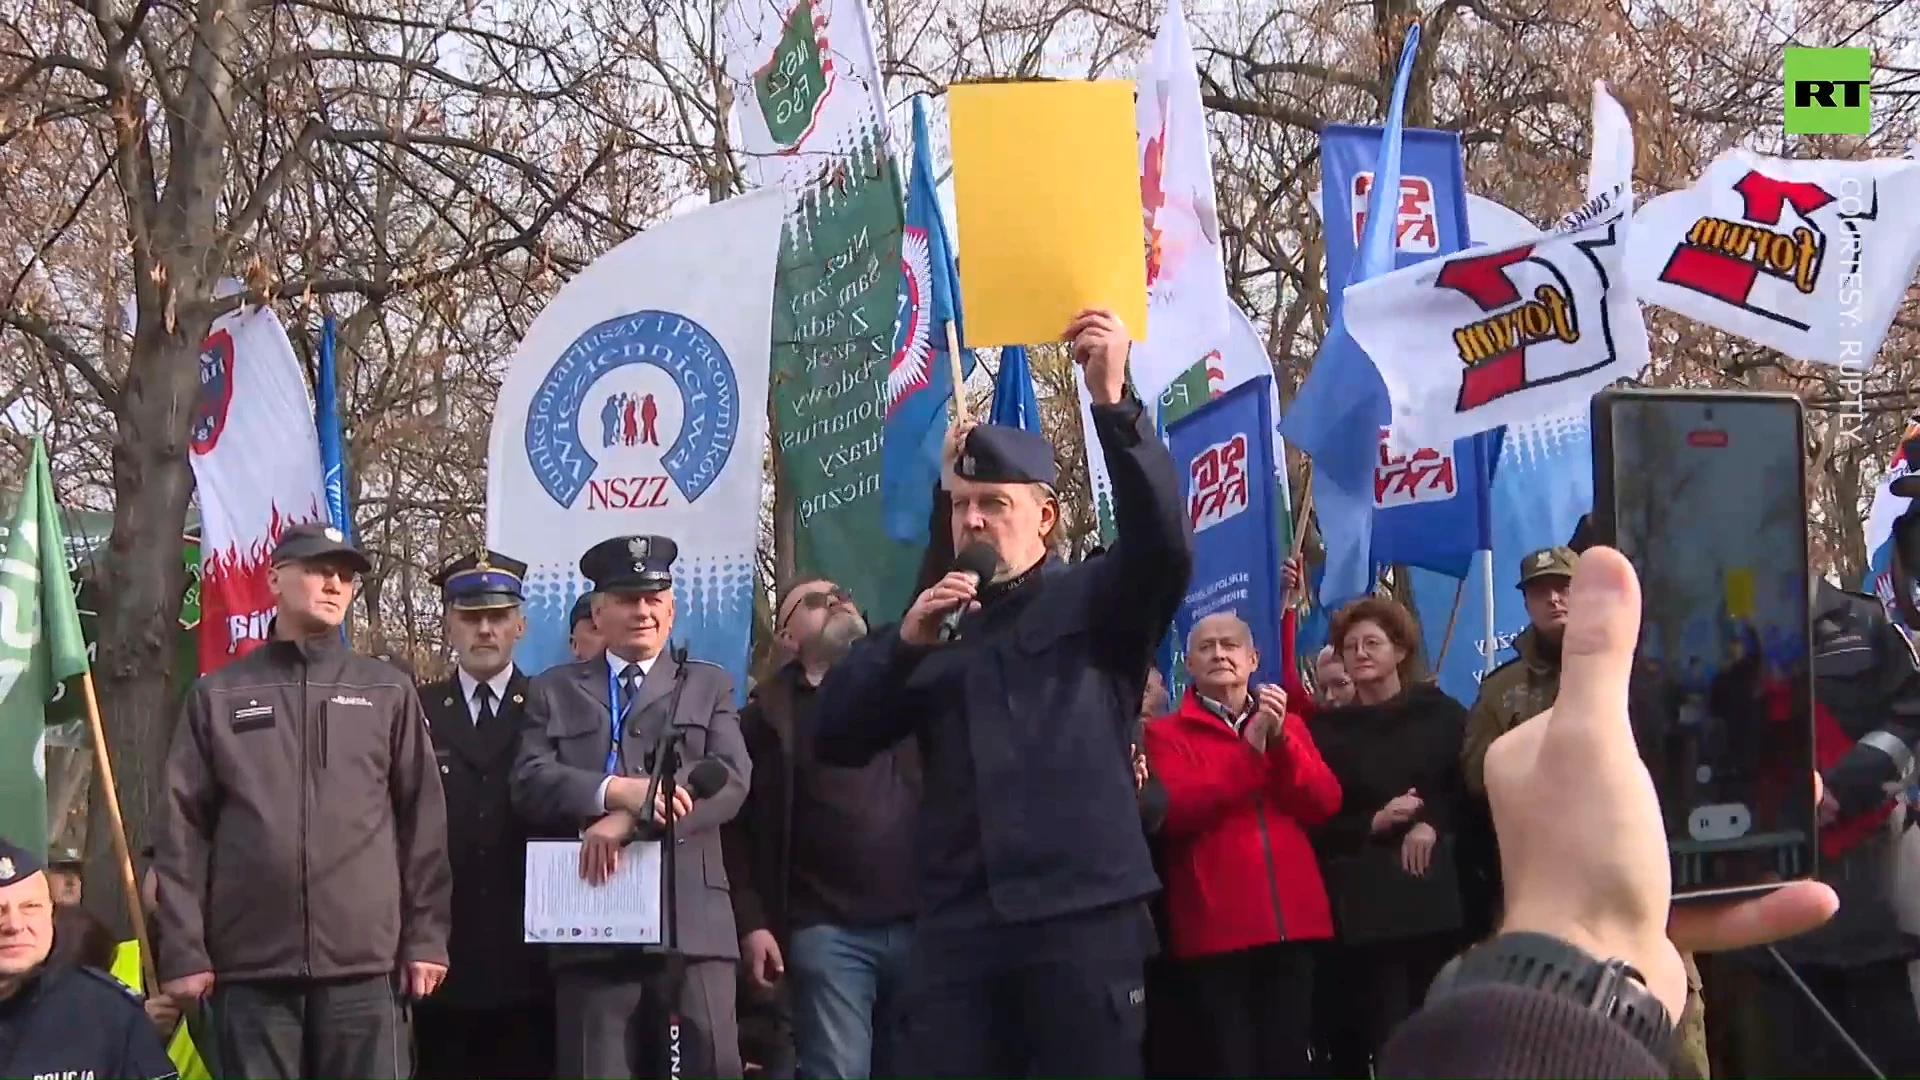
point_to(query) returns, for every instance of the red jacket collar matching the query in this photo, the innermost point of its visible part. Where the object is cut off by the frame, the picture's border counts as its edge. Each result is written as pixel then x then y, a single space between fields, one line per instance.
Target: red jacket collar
pixel 1194 711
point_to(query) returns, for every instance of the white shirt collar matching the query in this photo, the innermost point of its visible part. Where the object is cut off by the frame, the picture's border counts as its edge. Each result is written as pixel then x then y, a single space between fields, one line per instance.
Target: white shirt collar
pixel 470 685
pixel 617 665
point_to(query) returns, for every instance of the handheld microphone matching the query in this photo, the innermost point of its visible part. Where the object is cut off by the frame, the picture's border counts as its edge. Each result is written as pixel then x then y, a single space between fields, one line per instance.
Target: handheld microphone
pixel 706 778
pixel 980 560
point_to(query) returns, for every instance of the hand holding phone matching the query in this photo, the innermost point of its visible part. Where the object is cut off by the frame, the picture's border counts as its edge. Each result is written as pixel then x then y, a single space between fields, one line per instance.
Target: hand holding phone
pixel 1705 495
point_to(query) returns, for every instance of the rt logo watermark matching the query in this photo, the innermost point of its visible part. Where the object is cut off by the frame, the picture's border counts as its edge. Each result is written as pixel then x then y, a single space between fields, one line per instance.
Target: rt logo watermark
pixel 1829 92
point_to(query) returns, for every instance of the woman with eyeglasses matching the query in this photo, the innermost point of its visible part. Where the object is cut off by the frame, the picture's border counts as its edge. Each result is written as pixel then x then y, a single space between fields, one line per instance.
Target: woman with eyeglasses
pixel 1387 856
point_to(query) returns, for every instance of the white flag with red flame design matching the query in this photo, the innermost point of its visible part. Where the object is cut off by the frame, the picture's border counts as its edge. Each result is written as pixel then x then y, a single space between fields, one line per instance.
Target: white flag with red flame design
pixel 1187 305
pixel 256 460
pixel 1808 257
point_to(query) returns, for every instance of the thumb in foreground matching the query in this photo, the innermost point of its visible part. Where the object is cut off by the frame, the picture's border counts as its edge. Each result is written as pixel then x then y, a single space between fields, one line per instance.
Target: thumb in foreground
pixel 1603 627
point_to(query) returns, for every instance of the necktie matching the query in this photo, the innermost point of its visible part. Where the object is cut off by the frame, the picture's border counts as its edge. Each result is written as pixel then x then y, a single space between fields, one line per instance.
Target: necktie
pixel 630 677
pixel 483 696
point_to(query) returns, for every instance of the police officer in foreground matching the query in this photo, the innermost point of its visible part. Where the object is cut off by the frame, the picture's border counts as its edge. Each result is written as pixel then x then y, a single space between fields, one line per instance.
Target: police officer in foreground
pixel 60 1020
pixel 494 1016
pixel 1034 867
pixel 301 848
pixel 587 746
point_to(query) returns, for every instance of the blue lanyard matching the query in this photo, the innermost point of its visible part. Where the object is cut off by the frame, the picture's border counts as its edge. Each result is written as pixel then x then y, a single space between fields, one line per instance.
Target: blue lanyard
pixel 616 717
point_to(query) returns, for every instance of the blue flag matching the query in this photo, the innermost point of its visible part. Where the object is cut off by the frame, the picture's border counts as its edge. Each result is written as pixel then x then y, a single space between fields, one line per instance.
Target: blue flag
pixel 1337 415
pixel 1544 484
pixel 1428 509
pixel 1224 450
pixel 1014 402
pixel 326 421
pixel 920 380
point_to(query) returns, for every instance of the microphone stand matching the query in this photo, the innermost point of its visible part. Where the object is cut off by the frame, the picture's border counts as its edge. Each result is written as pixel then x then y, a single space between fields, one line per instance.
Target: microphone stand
pixel 664 776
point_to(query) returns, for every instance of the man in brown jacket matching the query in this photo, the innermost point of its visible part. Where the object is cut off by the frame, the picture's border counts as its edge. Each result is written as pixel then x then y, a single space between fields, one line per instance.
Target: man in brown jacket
pixel 302 846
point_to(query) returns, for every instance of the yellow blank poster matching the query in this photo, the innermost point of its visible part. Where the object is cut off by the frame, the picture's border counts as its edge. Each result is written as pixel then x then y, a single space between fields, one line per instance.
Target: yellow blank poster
pixel 1046 187
pixel 1740 593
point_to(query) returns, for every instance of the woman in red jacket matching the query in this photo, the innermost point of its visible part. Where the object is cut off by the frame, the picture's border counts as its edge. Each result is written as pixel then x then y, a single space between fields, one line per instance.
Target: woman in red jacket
pixel 1244 899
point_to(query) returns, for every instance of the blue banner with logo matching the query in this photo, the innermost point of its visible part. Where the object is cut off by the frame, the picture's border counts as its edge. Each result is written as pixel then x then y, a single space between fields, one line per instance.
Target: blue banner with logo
pixel 1430 507
pixel 1543 484
pixel 1224 450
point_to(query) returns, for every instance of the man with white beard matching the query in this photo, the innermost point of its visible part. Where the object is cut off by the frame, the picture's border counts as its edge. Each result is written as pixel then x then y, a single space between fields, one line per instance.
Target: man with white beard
pixel 821 858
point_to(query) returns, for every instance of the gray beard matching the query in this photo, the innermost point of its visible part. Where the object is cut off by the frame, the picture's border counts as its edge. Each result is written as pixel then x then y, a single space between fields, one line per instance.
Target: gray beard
pixel 833 641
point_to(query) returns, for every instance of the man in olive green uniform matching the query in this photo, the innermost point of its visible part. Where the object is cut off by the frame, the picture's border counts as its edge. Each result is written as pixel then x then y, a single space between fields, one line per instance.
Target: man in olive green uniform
pixel 1523 688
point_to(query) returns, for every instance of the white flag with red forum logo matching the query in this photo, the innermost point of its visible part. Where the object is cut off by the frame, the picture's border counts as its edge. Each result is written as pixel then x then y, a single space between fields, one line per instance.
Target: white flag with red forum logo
pixel 1808 257
pixel 256 460
pixel 1493 336
pixel 1187 305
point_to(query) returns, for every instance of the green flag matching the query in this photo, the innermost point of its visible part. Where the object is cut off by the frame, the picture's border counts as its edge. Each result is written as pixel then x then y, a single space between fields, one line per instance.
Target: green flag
pixel 40 645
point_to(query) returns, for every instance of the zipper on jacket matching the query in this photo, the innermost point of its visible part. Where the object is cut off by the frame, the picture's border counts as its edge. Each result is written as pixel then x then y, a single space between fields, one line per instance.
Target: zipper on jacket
pixel 1266 849
pixel 306 912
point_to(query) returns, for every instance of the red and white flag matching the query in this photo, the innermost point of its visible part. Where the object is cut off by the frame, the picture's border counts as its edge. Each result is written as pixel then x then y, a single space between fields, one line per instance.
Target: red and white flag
pixel 1188 310
pixel 1808 257
pixel 1502 335
pixel 256 461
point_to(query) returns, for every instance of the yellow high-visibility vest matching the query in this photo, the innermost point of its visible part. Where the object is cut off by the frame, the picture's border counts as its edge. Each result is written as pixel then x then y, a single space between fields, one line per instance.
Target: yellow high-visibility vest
pixel 180 1048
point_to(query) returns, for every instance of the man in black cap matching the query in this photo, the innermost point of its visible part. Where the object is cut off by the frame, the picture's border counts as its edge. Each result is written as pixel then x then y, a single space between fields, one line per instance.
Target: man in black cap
pixel 582 638
pixel 494 1016
pixel 65 871
pixel 61 1020
pixel 1033 866
pixel 590 740
pixel 301 848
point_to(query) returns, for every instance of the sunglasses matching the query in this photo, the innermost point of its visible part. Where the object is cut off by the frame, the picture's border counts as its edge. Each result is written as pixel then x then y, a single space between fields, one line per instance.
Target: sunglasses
pixel 814 601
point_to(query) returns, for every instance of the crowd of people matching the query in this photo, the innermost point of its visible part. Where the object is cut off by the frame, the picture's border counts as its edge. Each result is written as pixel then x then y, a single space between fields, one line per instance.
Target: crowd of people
pixel 980 841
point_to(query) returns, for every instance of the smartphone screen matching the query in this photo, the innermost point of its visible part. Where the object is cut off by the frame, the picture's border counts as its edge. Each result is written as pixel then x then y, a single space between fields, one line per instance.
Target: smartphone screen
pixel 1707 500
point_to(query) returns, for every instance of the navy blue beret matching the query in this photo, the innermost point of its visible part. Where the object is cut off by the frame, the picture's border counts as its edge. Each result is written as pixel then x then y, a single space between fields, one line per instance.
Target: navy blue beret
pixel 17 864
pixel 995 454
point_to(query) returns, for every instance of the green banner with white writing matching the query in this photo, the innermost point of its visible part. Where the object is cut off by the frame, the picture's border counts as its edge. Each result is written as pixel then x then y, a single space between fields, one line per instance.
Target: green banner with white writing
pixel 813 122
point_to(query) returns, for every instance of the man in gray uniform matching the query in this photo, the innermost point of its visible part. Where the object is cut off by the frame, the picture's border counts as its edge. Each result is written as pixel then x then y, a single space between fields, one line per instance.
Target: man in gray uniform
pixel 589 741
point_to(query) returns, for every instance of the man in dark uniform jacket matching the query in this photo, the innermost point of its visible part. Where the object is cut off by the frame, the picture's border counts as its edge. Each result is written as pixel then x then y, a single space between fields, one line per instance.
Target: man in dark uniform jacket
pixel 62 1020
pixel 583 640
pixel 494 1016
pixel 572 773
pixel 1034 867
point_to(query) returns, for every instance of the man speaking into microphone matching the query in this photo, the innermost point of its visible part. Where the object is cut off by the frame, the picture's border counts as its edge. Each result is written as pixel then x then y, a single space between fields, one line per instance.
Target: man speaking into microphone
pixel 1034 872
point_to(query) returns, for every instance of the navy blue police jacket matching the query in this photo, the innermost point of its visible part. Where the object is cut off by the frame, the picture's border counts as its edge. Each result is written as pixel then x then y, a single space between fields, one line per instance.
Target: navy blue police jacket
pixel 75 1023
pixel 1025 720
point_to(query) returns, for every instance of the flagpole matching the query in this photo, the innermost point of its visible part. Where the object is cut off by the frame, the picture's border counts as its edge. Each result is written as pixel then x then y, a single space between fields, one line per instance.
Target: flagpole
pixel 959 380
pixel 1486 577
pixel 1459 592
pixel 103 773
pixel 1300 523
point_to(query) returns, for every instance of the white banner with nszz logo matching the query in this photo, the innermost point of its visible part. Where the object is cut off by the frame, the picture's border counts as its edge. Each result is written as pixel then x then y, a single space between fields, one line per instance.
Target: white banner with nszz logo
pixel 637 405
